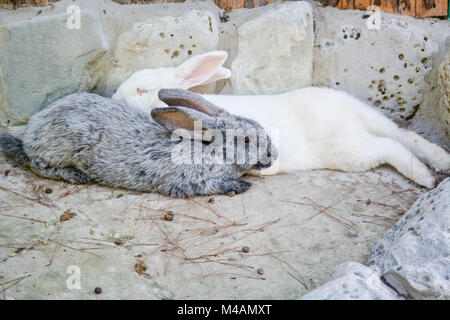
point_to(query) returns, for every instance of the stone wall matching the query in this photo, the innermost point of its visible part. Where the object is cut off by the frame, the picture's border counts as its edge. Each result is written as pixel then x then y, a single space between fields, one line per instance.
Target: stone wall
pixel 394 68
pixel 274 48
pixel 42 60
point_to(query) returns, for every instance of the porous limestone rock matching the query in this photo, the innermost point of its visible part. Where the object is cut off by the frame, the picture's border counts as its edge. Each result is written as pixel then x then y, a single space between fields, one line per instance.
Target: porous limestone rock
pixel 386 67
pixel 275 51
pixel 414 257
pixel 163 42
pixel 352 281
pixel 444 102
pixel 42 59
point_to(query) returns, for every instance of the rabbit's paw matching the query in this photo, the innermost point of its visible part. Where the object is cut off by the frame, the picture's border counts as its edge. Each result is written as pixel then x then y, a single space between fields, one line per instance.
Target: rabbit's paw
pixel 424 178
pixel 81 178
pixel 236 185
pixel 74 176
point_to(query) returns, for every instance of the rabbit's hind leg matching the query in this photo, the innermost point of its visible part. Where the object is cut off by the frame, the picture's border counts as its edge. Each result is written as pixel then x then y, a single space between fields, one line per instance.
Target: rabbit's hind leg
pixel 71 175
pixel 380 150
pixel 437 157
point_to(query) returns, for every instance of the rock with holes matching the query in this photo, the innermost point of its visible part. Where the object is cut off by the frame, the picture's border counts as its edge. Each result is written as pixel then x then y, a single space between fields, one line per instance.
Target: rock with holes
pixel 47 57
pixel 163 42
pixel 353 281
pixel 275 51
pixel 386 65
pixel 414 257
pixel 444 102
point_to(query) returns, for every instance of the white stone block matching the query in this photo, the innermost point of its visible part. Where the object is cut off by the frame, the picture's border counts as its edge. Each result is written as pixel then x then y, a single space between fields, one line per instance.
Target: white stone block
pixel 386 67
pixel 163 42
pixel 414 257
pixel 352 281
pixel 42 59
pixel 275 51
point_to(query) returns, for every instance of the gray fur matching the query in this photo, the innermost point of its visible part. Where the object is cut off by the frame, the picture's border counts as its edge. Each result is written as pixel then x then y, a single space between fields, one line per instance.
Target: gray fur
pixel 85 138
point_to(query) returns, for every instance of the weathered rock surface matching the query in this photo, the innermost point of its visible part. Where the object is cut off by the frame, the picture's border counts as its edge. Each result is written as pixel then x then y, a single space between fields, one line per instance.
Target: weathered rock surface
pixel 163 42
pixel 444 102
pixel 352 281
pixel 414 257
pixel 42 60
pixel 275 51
pixel 386 67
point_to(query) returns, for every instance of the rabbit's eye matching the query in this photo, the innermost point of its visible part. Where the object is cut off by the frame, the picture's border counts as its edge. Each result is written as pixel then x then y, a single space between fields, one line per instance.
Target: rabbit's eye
pixel 247 140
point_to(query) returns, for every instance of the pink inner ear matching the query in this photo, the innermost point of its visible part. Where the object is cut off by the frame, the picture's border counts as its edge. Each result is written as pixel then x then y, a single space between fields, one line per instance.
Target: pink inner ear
pixel 199 71
pixel 222 73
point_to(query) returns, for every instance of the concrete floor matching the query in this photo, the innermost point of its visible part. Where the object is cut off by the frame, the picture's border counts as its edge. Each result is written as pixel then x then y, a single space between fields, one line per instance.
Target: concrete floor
pixel 297 228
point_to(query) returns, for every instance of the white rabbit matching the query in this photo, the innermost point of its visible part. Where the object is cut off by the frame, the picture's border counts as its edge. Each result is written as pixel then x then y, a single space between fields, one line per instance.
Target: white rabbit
pixel 318 128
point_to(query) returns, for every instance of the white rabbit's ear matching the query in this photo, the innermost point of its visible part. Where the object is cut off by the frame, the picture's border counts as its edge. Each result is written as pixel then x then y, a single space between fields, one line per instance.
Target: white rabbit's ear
pixel 222 73
pixel 201 69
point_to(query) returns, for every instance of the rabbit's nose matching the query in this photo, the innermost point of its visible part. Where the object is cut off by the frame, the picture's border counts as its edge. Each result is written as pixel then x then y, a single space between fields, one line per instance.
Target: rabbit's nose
pixel 260 165
pixel 272 153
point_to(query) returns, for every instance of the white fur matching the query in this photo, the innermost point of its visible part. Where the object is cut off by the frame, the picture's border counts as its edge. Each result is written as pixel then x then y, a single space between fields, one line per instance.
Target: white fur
pixel 318 128
pixel 141 88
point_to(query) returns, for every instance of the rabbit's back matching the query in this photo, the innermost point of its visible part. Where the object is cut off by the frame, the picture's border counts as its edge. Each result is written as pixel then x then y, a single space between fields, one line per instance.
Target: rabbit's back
pixel 114 145
pixel 92 133
pixel 80 109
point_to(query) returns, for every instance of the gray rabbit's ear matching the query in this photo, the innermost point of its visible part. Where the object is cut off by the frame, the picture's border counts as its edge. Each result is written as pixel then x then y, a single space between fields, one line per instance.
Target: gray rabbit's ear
pixel 173 118
pixel 184 98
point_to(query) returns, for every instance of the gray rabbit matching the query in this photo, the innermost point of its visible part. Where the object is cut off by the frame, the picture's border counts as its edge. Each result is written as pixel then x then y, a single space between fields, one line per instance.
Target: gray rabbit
pixel 86 138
